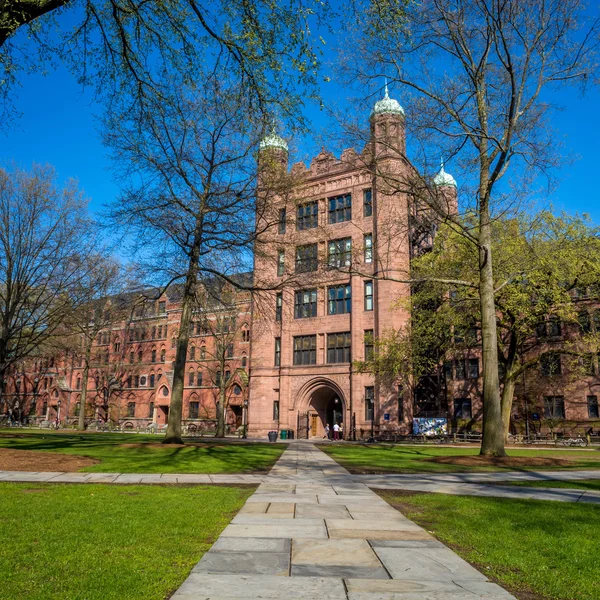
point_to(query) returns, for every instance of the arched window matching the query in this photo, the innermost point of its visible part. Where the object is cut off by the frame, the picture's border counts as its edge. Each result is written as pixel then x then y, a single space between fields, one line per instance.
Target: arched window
pixel 202 352
pixel 153 355
pixel 244 360
pixel 78 384
pixel 191 377
pixel 245 333
pixel 140 356
pixel 173 342
pixel 192 352
pixel 164 391
pixel 163 355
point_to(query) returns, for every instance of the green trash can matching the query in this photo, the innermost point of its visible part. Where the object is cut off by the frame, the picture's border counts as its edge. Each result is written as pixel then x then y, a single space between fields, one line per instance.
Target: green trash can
pixel 283 434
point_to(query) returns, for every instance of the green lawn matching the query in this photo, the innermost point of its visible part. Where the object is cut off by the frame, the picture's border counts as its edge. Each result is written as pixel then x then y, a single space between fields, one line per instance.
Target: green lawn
pixel 103 541
pixel 581 484
pixel 547 549
pixel 132 453
pixel 387 458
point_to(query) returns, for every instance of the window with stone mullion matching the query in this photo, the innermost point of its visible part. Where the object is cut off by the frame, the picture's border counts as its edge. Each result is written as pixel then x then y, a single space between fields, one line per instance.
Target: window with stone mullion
pixel 338 347
pixel 340 253
pixel 305 350
pixel 340 299
pixel 305 304
pixel 307 216
pixel 306 258
pixel 340 209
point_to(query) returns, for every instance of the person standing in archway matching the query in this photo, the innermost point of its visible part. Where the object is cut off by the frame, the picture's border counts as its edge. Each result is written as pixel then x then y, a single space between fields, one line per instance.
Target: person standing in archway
pixel 336 432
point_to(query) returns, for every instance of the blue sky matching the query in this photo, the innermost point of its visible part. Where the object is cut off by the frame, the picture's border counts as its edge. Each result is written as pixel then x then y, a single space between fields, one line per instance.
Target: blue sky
pixel 57 126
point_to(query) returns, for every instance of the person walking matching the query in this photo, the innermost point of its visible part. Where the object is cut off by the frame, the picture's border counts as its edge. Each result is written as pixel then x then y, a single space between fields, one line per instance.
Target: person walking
pixel 327 431
pixel 341 431
pixel 336 432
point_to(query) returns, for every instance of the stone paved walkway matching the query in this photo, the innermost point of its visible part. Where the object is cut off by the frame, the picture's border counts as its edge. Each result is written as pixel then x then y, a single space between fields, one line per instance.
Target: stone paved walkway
pixel 310 531
pixel 464 484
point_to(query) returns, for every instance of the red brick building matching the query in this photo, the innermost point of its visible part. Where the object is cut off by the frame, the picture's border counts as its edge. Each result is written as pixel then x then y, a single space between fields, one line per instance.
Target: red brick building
pixel 335 261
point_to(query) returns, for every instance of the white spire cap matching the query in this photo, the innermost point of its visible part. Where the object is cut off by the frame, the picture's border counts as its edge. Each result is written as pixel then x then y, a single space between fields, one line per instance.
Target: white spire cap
pixel 272 140
pixel 387 105
pixel 443 178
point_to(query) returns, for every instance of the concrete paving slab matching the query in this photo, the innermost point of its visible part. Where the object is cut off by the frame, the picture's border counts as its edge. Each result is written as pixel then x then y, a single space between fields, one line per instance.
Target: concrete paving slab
pixel 281 530
pixel 318 570
pixel 69 478
pixel 201 586
pixel 321 511
pixel 433 543
pixel 254 508
pixel 259 563
pixel 281 508
pixel 426 564
pixel 275 521
pixel 334 552
pixel 237 544
pixel 372 525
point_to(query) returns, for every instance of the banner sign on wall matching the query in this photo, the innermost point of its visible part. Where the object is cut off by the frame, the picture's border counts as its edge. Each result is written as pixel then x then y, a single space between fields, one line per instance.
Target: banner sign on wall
pixel 426 426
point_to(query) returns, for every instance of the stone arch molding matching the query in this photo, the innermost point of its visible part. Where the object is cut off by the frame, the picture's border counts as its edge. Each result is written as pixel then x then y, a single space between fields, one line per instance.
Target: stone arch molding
pixel 303 395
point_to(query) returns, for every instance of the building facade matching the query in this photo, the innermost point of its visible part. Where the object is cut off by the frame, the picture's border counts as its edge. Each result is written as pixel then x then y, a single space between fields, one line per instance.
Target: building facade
pixel 333 257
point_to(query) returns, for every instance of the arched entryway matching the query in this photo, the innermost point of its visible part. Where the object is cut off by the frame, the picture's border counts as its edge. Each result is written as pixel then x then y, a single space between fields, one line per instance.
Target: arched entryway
pixel 326 407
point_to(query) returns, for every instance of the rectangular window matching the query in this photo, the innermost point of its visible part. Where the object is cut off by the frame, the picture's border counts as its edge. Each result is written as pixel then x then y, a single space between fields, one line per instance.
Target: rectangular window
pixel 369 344
pixel 305 304
pixel 368 295
pixel 151 410
pixel 131 409
pixel 554 328
pixel 136 381
pixel 448 370
pixel 276 410
pixel 340 209
pixel 152 378
pixel 471 336
pixel 338 347
pixel 305 350
pixel 368 202
pixel 307 216
pixel 368 245
pixel 129 380
pixel 229 351
pixel 592 404
pixel 131 357
pixel 584 322
pixel 462 408
pixel 193 412
pixel 162 307
pixel 588 364
pixel 280 263
pixel 199 379
pixel 278 306
pixel 369 403
pixel 277 352
pixel 339 253
pixel 306 258
pixel 191 378
pixel 459 369
pixel 117 347
pixel 554 407
pixel 540 329
pixel 218 378
pixel 282 217
pixel 473 368
pixel 339 300
pixel 550 364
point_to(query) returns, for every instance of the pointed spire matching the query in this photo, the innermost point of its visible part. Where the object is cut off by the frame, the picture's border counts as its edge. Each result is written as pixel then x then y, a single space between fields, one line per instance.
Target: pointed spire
pixel 386 89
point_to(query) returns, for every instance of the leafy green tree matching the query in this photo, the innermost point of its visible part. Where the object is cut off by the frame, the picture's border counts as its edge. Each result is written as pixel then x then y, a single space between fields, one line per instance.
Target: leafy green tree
pixel 477 78
pixel 539 264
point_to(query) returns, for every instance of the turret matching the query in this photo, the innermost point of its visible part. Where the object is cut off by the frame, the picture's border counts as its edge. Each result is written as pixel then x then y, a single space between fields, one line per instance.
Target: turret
pixel 274 149
pixel 387 126
pixel 446 185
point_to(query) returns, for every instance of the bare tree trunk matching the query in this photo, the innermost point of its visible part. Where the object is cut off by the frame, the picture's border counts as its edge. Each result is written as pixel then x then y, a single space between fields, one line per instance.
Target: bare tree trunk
pixel 493 435
pixel 220 433
pixel 174 431
pixel 507 402
pixel 84 386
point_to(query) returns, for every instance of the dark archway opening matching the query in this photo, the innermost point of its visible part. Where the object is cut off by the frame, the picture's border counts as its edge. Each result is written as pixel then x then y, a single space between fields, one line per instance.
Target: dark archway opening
pixel 326 408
